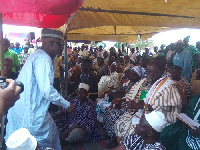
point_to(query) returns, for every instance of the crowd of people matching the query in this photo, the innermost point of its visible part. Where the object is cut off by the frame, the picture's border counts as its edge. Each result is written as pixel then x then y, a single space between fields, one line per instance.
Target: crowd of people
pixel 127 98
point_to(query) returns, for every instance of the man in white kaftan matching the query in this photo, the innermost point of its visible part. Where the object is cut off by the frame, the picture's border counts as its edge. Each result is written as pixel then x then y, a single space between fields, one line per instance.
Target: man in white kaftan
pixel 31 110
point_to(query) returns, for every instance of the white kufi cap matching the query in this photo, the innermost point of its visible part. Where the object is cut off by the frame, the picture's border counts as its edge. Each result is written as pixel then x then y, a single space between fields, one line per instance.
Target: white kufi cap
pixel 84 86
pixel 157 120
pixel 21 140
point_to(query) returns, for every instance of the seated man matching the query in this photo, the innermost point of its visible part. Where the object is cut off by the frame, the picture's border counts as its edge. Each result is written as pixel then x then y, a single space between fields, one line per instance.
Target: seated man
pixel 8 65
pixel 179 136
pixel 81 124
pixel 181 84
pixel 89 77
pixel 147 133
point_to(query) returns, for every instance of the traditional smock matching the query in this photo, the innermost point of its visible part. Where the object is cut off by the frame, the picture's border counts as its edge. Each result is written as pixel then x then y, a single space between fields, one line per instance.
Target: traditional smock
pixel 111 115
pixel 31 110
pixel 135 142
pixel 123 126
pixel 163 96
pixel 85 116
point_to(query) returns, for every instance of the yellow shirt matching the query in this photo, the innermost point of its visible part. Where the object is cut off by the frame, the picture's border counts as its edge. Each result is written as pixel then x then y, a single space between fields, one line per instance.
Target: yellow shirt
pixel 59 64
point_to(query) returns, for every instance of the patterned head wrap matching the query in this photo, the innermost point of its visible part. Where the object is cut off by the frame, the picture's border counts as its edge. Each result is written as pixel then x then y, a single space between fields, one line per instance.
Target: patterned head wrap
pixel 140 71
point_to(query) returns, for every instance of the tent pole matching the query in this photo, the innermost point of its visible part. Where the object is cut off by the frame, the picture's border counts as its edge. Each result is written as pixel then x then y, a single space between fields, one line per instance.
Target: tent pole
pixel 66 64
pixel 2 74
pixel 1 45
pixel 140 42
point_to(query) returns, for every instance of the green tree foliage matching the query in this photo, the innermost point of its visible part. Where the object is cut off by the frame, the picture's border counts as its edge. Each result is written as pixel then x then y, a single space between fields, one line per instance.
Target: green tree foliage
pixel 143 44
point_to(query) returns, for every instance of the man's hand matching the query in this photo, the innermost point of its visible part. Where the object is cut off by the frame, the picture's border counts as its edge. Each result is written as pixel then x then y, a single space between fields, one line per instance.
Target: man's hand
pixel 71 108
pixel 116 102
pixel 129 105
pixel 9 96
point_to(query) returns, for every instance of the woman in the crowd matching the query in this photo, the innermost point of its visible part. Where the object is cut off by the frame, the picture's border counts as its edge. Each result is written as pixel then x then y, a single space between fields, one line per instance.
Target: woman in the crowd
pixel 179 136
pixel 109 80
pixel 162 96
pixel 112 113
pixel 107 85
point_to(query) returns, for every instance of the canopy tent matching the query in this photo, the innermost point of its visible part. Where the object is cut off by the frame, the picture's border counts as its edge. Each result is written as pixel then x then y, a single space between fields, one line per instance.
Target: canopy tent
pixel 128 34
pixel 85 18
pixel 143 14
pixel 98 26
pixel 178 8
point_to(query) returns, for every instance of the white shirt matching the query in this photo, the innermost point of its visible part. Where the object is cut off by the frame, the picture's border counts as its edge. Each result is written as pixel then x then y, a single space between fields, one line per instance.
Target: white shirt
pixel 84 53
pixel 169 53
pixel 100 53
pixel 31 110
pixel 132 55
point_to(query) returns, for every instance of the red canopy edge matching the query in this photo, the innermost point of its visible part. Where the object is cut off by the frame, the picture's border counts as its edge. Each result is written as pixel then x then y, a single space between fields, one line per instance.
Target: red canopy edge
pixel 38 13
pixel 50 7
pixel 35 20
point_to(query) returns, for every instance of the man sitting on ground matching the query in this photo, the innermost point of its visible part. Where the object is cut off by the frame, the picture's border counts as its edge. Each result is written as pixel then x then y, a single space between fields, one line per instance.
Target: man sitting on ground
pixel 147 133
pixel 81 124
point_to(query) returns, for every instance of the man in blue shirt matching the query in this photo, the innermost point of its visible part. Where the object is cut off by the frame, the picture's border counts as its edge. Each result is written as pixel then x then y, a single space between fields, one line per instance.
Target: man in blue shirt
pixel 17 49
pixel 183 59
